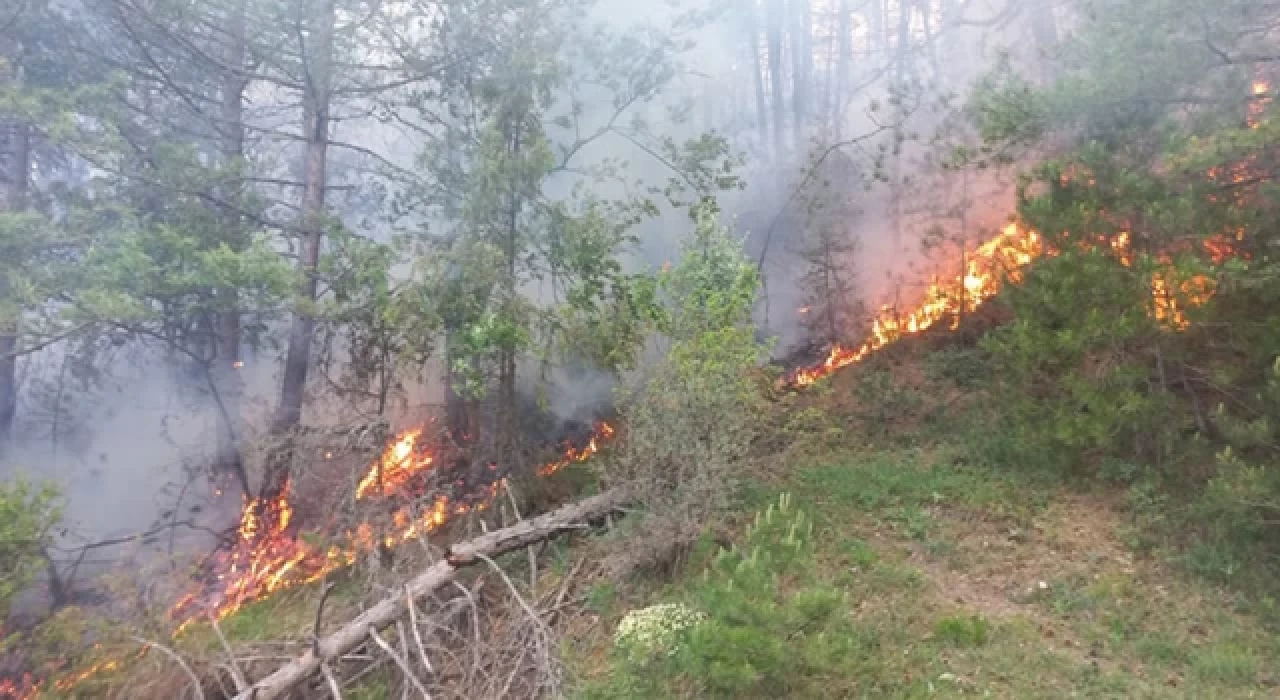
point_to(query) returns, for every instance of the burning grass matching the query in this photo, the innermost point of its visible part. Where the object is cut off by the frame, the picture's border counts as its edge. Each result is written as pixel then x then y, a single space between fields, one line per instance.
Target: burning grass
pixel 1004 259
pixel 269 554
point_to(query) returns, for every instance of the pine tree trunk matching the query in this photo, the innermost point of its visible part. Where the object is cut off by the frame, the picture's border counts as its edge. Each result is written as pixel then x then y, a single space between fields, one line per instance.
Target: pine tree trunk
pixel 844 63
pixel 801 69
pixel 312 220
pixel 455 410
pixel 8 388
pixel 226 375
pixel 757 74
pixel 15 169
pixel 508 429
pixel 773 30
pixel 878 33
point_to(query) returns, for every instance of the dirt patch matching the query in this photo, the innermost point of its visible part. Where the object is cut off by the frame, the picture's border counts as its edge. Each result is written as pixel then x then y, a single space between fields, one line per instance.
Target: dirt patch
pixel 1003 571
pixel 997 567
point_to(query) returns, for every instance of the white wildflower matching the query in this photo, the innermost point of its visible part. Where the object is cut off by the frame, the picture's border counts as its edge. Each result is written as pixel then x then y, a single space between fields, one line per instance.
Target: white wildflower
pixel 654 629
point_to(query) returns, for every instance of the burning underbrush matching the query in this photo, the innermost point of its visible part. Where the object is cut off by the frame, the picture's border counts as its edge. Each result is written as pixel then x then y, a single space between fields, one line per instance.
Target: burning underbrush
pixel 420 483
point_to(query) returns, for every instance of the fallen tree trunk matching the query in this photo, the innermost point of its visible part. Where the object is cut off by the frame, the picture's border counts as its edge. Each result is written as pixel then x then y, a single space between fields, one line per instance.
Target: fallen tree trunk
pixel 394 607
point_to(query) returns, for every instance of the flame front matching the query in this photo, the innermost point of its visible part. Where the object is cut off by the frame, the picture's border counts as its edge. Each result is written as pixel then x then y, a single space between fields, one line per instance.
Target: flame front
pixel 604 432
pixel 400 463
pixel 268 556
pixel 1005 257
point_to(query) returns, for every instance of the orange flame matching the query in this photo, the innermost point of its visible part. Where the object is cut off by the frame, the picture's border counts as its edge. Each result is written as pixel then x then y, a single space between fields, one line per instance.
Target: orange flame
pixel 1004 255
pixel 1258 105
pixel 24 688
pixel 269 557
pixel 400 463
pixel 604 432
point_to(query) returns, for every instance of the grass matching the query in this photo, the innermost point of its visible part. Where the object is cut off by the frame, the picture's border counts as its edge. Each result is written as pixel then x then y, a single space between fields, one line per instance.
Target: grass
pixel 963 580
pixel 928 574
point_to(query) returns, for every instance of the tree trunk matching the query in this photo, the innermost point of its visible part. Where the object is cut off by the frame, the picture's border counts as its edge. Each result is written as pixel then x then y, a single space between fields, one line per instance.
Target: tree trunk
pixel 877 34
pixel 456 410
pixel 773 30
pixel 757 71
pixel 844 63
pixel 15 169
pixel 508 428
pixel 226 359
pixel 396 606
pixel 8 387
pixel 801 69
pixel 298 356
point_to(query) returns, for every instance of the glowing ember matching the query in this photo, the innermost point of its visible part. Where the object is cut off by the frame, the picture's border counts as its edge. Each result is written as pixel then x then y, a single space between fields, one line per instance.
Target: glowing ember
pixel 1261 98
pixel 20 689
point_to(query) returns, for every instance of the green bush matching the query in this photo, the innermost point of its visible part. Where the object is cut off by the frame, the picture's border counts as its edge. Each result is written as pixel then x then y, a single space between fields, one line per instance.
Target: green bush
pixel 691 422
pixel 766 628
pixel 28 514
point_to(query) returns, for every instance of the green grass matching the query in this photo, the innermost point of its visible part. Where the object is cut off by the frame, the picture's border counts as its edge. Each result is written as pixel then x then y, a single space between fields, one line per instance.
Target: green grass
pixel 1100 627
pixel 962 630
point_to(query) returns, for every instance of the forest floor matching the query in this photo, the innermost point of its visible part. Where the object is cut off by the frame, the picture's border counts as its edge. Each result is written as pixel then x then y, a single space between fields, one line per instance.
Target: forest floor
pixel 959 579
pixel 975 582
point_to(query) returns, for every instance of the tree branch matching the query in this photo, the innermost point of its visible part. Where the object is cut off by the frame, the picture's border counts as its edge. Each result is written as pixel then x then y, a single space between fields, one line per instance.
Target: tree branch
pixel 392 608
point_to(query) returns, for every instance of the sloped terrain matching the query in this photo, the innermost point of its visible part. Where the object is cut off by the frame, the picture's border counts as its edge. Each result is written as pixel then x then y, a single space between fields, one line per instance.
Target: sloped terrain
pixel 956 579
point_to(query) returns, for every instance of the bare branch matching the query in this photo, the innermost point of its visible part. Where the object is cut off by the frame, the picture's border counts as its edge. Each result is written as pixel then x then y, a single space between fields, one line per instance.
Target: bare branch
pixel 195 680
pixel 236 674
pixel 400 661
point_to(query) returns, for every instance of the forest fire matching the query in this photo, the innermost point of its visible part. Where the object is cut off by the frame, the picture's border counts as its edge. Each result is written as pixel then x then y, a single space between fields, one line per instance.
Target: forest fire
pixel 1005 255
pixel 399 463
pixel 603 433
pixel 269 556
pixel 24 687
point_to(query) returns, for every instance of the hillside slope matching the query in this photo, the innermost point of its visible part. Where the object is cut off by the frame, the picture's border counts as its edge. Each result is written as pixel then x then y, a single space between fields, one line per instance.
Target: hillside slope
pixel 941 575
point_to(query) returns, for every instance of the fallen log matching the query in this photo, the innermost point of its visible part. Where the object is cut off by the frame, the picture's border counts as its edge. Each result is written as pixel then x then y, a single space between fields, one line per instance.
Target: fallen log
pixel 394 607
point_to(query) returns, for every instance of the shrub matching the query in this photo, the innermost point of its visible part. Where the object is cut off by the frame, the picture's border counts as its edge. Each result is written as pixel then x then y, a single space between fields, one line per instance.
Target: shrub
pixel 764 627
pixel 28 515
pixel 691 421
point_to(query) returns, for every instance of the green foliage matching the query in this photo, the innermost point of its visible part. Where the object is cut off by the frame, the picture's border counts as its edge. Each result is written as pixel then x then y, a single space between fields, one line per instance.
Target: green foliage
pixel 714 286
pixel 882 401
pixel 962 630
pixel 1145 345
pixel 388 319
pixel 966 367
pixel 510 152
pixel 28 515
pixel 690 425
pixel 1225 664
pixel 770 630
pixel 1009 112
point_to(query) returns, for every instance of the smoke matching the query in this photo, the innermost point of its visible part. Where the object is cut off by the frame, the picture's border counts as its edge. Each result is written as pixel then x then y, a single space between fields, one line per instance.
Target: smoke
pixel 146 431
